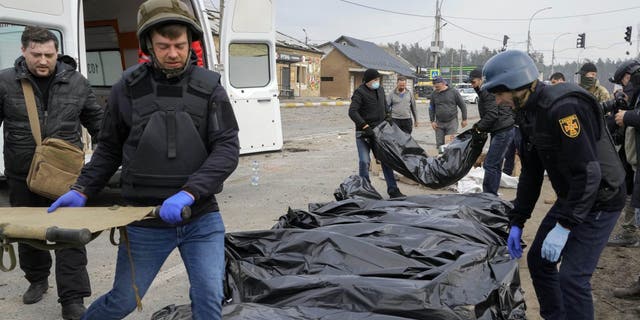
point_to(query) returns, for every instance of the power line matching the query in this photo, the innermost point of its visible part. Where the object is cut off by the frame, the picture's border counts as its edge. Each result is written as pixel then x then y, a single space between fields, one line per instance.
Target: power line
pixel 388 11
pixel 492 19
pixel 547 18
pixel 398 33
pixel 469 31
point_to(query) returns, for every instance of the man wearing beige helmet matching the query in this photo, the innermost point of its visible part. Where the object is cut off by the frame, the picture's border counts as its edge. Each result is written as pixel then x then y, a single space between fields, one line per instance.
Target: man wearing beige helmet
pixel 171 126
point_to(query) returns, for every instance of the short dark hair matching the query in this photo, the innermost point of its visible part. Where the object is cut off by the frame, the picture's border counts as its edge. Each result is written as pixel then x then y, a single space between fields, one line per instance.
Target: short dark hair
pixel 172 30
pixel 557 76
pixel 402 78
pixel 38 34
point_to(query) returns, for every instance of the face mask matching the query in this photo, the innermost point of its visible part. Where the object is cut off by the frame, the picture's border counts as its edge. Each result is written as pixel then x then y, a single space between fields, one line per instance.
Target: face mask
pixel 375 85
pixel 587 82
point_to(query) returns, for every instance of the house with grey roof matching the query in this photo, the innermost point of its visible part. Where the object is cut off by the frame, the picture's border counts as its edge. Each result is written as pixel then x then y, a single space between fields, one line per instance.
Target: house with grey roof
pixel 347 58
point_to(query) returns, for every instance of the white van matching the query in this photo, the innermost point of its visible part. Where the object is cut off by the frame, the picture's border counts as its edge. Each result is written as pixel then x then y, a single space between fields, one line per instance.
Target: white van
pixel 101 36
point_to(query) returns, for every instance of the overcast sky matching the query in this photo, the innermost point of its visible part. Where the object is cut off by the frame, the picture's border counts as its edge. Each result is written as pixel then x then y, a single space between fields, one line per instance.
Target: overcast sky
pixel 473 24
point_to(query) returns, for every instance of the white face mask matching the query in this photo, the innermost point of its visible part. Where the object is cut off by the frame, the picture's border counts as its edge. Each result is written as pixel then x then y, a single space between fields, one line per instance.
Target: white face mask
pixel 375 85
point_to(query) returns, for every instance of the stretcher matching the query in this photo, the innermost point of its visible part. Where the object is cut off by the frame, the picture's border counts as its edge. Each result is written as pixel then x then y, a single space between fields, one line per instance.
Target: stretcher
pixel 65 227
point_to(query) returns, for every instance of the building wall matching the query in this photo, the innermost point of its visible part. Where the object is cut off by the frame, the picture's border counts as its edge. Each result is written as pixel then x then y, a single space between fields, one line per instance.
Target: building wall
pixel 304 74
pixel 336 65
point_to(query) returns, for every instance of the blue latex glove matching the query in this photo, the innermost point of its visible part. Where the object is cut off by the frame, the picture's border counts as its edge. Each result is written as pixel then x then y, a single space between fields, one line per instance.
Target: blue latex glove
pixel 554 243
pixel 72 198
pixel 171 209
pixel 513 242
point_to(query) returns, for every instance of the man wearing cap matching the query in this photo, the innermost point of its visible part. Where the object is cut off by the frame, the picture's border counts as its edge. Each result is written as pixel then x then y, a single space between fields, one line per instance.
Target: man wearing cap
pixel 443 113
pixel 368 108
pixel 170 124
pixel 589 81
pixel 497 120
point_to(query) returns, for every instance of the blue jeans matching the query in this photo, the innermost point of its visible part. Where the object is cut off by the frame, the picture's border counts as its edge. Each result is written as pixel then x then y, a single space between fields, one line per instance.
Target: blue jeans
pixel 510 156
pixel 201 245
pixel 566 293
pixel 364 161
pixel 500 141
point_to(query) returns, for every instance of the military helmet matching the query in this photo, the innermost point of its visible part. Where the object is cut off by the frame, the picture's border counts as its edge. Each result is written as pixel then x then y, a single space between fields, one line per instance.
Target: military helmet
pixel 153 13
pixel 629 66
pixel 511 69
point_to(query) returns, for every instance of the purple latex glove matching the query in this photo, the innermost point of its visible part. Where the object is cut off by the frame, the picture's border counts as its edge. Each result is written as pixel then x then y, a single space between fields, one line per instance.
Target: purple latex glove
pixel 513 242
pixel 72 198
pixel 171 210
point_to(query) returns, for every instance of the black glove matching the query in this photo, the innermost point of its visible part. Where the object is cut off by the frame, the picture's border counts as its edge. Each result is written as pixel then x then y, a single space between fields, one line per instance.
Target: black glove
pixel 367 132
pixel 388 117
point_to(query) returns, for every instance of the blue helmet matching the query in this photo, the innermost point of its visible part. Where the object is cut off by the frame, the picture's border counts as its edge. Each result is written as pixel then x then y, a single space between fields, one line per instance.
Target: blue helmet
pixel 511 69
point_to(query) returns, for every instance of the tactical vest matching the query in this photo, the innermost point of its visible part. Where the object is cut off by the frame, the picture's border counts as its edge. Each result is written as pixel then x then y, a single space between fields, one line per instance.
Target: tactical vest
pixel 168 138
pixel 612 171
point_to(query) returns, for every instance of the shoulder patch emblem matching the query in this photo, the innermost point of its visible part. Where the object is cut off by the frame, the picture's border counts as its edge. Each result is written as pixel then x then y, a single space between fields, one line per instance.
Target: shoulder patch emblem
pixel 570 126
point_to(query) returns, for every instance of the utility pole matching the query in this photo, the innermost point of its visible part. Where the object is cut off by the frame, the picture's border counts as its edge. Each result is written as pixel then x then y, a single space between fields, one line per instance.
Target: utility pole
pixel 460 70
pixel 436 46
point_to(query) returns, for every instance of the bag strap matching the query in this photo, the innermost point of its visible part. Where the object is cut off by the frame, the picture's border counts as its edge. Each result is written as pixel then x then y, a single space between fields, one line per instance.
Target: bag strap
pixel 30 100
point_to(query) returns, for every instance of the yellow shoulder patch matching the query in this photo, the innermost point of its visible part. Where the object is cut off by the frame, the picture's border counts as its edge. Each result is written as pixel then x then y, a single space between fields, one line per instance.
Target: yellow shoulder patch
pixel 570 126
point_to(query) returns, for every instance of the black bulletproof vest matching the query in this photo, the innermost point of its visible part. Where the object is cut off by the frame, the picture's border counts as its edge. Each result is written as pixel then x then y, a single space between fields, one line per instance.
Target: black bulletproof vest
pixel 613 174
pixel 168 138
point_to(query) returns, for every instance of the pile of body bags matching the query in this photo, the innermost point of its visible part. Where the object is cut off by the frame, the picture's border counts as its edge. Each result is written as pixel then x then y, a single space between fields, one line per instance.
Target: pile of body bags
pixel 360 257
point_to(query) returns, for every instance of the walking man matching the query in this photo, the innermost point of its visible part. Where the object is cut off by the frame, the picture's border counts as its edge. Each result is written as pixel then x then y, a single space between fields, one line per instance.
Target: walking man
pixel 443 111
pixel 64 102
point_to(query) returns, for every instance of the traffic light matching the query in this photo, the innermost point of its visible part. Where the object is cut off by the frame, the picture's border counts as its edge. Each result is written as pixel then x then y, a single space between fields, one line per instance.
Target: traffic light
pixel 581 40
pixel 627 34
pixel 504 42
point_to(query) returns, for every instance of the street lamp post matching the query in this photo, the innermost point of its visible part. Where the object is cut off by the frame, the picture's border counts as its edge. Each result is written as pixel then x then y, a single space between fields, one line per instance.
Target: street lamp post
pixel 529 29
pixel 305 36
pixel 553 50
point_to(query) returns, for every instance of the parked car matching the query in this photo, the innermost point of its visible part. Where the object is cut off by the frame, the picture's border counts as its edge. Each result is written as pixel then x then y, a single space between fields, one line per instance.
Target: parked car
pixel 469 95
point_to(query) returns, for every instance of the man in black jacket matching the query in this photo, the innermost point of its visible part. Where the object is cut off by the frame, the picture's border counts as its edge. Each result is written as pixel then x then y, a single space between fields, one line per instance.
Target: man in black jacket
pixel 170 124
pixel 368 109
pixel 498 121
pixel 563 133
pixel 64 102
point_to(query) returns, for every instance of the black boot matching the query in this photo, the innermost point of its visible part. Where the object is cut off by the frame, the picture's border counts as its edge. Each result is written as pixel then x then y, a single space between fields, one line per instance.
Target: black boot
pixel 73 311
pixel 35 292
pixel 395 193
pixel 632 292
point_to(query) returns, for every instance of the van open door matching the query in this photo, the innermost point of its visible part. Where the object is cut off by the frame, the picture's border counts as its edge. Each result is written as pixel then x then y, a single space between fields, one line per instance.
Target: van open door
pixel 61 16
pixel 248 55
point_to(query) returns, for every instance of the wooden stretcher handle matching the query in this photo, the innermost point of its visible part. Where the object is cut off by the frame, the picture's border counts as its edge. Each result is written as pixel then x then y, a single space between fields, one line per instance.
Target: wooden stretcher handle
pixel 185 214
pixel 79 236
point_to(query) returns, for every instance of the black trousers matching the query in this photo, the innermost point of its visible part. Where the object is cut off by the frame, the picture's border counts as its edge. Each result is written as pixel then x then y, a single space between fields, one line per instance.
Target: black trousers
pixel 405 125
pixel 72 279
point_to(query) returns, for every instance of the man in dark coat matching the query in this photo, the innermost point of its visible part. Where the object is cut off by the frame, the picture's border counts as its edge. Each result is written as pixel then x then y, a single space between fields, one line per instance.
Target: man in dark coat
pixel 64 102
pixel 367 110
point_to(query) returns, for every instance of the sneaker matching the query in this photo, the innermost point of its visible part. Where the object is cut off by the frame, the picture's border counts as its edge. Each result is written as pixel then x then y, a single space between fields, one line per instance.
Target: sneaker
pixel 35 292
pixel 73 311
pixel 395 193
pixel 627 238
